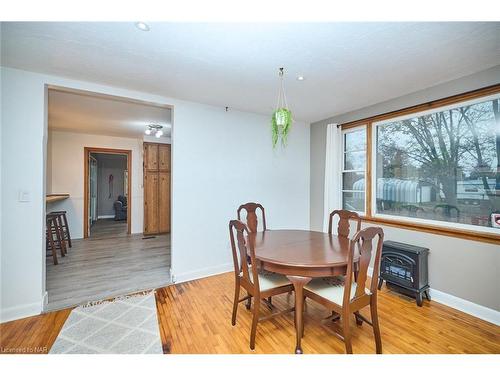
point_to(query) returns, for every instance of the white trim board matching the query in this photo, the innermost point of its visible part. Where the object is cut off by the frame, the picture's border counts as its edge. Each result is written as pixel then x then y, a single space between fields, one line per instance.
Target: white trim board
pixel 202 272
pixel 20 311
pixel 105 217
pixel 468 307
pixel 471 308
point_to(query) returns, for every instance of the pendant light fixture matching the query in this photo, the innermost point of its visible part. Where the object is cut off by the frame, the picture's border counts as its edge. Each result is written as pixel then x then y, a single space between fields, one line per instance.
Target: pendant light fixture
pixel 281 121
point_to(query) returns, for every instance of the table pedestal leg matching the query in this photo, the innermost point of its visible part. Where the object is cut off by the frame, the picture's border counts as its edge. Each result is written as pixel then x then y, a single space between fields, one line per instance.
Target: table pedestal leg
pixel 298 284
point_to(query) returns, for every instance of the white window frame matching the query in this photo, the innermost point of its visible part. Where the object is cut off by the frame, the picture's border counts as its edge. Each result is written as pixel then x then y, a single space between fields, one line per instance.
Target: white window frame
pixel 410 220
pixel 342 170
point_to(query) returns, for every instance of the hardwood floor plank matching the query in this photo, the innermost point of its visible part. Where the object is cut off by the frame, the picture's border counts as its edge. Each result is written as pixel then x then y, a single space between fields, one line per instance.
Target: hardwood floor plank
pixel 195 317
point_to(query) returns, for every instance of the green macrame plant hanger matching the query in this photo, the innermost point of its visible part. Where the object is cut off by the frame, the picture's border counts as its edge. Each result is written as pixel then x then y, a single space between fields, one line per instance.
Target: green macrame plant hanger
pixel 281 120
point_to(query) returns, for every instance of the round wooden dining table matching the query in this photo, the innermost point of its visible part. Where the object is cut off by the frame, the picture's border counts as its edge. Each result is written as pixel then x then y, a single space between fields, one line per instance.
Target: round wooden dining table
pixel 301 255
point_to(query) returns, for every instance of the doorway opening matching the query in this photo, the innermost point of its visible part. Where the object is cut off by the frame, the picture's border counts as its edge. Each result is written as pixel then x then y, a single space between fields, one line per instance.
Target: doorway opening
pixel 95 185
pixel 107 202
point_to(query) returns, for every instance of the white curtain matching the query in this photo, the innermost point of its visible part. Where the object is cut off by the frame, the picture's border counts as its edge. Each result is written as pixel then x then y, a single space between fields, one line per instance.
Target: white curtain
pixel 333 162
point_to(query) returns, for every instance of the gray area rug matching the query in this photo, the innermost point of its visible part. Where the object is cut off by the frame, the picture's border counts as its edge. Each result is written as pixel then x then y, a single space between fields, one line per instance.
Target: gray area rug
pixel 126 325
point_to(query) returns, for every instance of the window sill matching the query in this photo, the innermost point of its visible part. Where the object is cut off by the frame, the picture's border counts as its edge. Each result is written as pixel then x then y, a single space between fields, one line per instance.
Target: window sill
pixel 436 229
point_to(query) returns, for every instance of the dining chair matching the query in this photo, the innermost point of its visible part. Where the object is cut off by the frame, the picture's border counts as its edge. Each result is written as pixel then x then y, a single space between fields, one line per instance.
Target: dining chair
pixel 344 225
pixel 351 296
pixel 253 225
pixel 343 230
pixel 251 219
pixel 259 286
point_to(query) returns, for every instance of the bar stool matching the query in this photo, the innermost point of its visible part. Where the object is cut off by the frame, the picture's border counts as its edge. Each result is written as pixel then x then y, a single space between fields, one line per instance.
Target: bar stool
pixel 49 238
pixel 55 229
pixel 63 220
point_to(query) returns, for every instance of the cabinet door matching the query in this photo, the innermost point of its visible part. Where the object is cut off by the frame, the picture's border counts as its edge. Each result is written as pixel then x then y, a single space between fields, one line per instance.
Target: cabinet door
pixel 164 157
pixel 164 198
pixel 151 223
pixel 151 156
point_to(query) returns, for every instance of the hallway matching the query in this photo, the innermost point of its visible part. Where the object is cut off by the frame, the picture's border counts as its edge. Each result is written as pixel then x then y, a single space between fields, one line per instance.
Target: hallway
pixel 108 228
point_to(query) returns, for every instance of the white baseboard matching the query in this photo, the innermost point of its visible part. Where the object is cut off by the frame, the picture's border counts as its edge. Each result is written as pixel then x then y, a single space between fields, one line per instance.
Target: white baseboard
pixel 45 299
pixel 471 308
pixel 202 272
pixel 468 307
pixel 21 311
pixel 105 217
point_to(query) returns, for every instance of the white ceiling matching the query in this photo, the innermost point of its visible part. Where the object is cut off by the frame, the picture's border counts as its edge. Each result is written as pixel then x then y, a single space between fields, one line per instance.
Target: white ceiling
pixel 346 65
pixel 104 115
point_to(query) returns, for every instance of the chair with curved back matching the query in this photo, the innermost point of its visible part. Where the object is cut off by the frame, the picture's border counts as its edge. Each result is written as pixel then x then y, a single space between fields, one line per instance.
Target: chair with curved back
pixel 247 277
pixel 252 223
pixel 344 227
pixel 352 296
pixel 251 219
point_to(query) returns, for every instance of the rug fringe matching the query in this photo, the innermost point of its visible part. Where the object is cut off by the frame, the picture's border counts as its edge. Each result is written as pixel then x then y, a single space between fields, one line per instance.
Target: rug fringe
pixel 119 298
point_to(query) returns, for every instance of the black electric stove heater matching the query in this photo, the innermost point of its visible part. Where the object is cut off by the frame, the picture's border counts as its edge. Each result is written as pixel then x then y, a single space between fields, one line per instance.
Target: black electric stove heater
pixel 404 268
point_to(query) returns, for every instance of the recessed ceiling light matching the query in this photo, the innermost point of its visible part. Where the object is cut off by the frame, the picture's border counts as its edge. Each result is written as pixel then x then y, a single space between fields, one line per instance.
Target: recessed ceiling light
pixel 142 26
pixel 300 78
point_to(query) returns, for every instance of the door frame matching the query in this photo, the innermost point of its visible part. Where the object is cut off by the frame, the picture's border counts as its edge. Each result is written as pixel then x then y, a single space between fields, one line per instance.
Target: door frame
pixel 87 151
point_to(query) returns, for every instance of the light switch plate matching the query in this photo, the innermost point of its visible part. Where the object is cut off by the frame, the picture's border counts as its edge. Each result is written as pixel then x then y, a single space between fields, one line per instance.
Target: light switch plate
pixel 24 196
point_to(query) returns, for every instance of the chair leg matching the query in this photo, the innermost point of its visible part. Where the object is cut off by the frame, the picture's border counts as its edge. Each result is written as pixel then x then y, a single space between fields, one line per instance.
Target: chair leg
pixel 376 328
pixel 359 321
pixel 255 320
pixel 235 303
pixel 346 331
pixel 248 303
pixel 303 310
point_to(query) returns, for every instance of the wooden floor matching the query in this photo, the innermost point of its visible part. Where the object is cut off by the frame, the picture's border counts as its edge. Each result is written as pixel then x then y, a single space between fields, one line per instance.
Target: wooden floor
pixel 107 265
pixel 108 228
pixel 194 317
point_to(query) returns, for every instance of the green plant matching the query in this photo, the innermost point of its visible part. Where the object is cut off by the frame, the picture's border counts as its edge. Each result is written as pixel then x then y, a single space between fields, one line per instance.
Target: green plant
pixel 281 123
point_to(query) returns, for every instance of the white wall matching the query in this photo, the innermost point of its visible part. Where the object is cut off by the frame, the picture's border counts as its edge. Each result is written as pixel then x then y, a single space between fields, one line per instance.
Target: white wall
pixel 220 159
pixel 67 154
pixel 461 268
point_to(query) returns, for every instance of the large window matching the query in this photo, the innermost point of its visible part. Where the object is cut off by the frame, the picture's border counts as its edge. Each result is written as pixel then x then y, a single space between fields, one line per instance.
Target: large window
pixel 441 165
pixel 353 169
pixel 432 167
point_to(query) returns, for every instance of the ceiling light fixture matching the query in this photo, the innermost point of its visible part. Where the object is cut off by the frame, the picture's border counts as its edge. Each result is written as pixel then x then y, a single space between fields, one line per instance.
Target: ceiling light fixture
pixel 154 129
pixel 142 26
pixel 300 78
